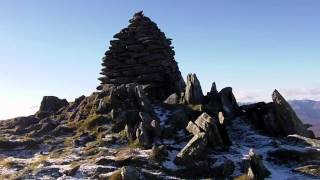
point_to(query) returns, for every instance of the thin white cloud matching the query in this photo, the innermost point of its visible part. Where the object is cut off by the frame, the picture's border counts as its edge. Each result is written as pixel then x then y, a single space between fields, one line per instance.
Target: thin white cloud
pixel 311 93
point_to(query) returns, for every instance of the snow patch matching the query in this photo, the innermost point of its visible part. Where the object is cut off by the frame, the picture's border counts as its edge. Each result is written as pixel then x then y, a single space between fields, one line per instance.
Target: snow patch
pixel 162 113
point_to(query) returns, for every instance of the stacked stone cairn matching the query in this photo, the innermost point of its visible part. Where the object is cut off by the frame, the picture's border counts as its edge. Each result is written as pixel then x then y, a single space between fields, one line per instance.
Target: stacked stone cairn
pixel 142 54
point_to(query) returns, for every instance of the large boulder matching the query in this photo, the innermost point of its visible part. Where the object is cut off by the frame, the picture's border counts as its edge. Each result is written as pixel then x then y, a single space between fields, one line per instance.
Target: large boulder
pixel 288 119
pixel 212 100
pixel 193 150
pixel 193 93
pixel 50 105
pixel 173 99
pixel 215 132
pixel 263 116
pixel 229 103
pixel 148 130
pixel 209 125
pixel 20 123
pixel 276 118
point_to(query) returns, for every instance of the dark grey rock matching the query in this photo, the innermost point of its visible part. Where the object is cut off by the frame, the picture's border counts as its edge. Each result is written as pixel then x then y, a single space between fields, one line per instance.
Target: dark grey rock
pixel 193 93
pixel 229 103
pixel 130 173
pixel 289 121
pixel 193 150
pixel 50 105
pixel 173 99
pixel 254 167
pixel 208 125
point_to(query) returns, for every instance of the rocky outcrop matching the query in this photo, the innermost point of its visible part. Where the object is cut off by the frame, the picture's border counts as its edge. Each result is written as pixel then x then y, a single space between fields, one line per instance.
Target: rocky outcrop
pixel 263 116
pixel 209 126
pixel 50 105
pixel 142 54
pixel 193 93
pixel 132 111
pixel 193 150
pixel 148 130
pixel 287 118
pixel 143 123
pixel 212 100
pixel 229 103
pixel 205 131
pixel 20 124
pixel 276 118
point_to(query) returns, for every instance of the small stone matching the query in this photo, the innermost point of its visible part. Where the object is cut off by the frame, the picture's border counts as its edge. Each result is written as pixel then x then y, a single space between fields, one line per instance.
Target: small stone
pixel 129 173
pixel 254 167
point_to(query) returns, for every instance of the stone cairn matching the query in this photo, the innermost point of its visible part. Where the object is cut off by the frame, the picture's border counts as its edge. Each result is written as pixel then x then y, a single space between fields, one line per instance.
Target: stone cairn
pixel 142 54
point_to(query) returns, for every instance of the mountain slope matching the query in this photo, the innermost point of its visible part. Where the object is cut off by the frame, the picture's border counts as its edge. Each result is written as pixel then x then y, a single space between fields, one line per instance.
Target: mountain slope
pixel 309 112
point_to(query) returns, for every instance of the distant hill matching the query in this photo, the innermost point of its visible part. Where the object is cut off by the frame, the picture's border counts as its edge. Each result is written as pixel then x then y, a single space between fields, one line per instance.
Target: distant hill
pixel 309 112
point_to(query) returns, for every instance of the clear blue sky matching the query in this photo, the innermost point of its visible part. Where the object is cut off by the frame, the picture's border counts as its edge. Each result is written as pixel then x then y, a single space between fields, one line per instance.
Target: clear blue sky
pixel 54 47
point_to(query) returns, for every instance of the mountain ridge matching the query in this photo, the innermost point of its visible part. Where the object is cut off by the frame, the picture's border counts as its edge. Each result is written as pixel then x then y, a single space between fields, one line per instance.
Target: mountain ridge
pixel 145 122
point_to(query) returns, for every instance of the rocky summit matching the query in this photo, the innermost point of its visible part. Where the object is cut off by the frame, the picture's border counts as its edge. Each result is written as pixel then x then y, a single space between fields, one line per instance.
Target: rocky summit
pixel 146 122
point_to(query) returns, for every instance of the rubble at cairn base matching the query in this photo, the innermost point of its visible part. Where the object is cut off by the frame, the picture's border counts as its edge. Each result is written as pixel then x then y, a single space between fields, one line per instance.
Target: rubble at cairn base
pixel 145 123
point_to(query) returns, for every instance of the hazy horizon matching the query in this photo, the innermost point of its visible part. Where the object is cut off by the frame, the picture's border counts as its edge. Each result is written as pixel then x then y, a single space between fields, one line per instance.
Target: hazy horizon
pixel 55 47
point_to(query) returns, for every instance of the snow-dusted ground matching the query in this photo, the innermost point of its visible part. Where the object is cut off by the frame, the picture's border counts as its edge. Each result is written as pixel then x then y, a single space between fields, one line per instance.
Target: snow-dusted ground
pixel 244 138
pixel 162 114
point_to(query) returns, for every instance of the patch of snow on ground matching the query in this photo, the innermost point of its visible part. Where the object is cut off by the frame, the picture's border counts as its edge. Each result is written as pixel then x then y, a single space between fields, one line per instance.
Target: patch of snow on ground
pixel 244 137
pixel 169 164
pixel 162 114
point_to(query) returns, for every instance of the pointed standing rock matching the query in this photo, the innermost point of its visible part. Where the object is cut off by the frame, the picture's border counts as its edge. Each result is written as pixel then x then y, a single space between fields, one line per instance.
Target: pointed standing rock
pixel 193 93
pixel 229 103
pixel 289 121
pixel 213 89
